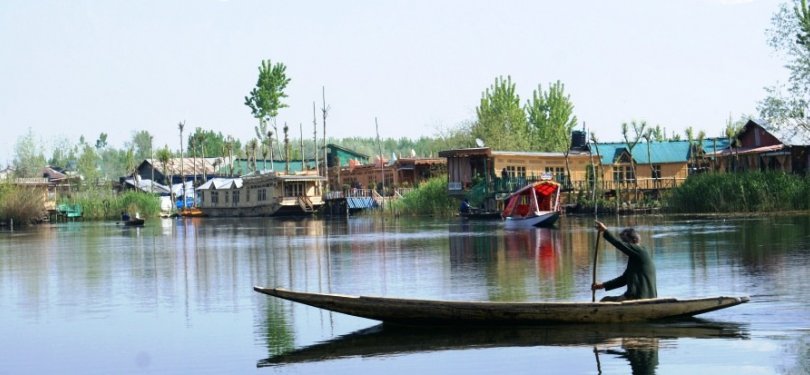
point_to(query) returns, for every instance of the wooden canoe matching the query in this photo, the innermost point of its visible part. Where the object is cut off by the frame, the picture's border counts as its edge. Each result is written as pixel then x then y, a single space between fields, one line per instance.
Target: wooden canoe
pixel 416 311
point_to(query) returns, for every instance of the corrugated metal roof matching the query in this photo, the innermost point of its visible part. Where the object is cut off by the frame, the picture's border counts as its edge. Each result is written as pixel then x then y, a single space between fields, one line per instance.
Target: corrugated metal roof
pixel 659 152
pixel 791 133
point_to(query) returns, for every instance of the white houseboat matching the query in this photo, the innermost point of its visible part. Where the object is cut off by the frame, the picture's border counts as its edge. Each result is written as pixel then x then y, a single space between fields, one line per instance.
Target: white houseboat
pixel 264 194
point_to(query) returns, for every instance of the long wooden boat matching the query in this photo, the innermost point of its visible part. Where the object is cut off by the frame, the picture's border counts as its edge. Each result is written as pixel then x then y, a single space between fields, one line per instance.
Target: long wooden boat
pixel 134 222
pixel 534 205
pixel 416 311
pixel 387 340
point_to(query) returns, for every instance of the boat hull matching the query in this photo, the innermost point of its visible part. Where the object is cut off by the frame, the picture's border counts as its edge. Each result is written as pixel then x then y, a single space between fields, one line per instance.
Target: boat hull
pixel 414 311
pixel 546 219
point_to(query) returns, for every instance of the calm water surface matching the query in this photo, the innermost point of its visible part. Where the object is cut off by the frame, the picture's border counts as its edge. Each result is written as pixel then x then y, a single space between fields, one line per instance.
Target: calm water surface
pixel 176 296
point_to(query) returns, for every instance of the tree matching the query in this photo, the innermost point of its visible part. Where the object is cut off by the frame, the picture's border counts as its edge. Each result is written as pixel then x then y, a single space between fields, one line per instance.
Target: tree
pixel 88 164
pixel 786 108
pixel 501 121
pixel 29 158
pixel 164 156
pixel 551 119
pixel 250 149
pixel 63 154
pixel 101 142
pixel 141 143
pixel 265 99
pixel 638 132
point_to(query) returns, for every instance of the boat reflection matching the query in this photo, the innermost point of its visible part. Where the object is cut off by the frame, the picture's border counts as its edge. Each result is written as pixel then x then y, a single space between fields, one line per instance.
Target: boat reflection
pixel 638 343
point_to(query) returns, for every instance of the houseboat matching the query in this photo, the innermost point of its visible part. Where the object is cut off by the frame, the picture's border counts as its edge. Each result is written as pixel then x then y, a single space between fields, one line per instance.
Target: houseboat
pixel 264 194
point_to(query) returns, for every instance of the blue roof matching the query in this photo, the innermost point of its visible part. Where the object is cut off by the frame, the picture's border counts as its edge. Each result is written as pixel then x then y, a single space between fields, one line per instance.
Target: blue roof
pixel 659 152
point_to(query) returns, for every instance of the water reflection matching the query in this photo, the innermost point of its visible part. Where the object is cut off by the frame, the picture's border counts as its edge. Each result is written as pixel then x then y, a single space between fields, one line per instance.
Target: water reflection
pixel 638 344
pixel 518 265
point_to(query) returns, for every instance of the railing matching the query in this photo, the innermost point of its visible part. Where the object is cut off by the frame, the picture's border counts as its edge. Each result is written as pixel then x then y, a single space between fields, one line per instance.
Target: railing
pixel 349 193
pixel 505 186
pixel 399 192
pixel 306 203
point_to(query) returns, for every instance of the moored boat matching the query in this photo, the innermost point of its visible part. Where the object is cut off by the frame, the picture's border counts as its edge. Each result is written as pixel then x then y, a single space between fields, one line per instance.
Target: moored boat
pixel 262 194
pixel 134 222
pixel 534 205
pixel 417 311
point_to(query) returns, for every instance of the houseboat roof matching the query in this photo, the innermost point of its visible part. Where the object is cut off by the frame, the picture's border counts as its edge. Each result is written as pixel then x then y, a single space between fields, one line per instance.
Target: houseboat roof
pixel 221 183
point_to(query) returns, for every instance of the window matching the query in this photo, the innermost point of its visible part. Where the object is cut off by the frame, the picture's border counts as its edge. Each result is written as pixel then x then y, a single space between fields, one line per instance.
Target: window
pixel 516 171
pixel 294 189
pixel 247 196
pixel 558 173
pixel 227 196
pixel 656 171
pixel 214 198
pixel 262 195
pixel 623 173
pixel 235 198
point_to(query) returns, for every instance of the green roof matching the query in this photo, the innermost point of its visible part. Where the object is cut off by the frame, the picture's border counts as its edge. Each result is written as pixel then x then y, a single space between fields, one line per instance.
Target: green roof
pixel 659 152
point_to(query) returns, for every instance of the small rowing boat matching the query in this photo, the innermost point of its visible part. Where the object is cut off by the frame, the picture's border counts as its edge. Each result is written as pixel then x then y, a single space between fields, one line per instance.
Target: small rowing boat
pixel 535 205
pixel 418 311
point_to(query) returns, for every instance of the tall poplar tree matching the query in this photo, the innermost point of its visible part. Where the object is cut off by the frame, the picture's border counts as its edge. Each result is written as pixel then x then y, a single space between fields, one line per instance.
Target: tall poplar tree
pixel 265 99
pixel 551 119
pixel 501 122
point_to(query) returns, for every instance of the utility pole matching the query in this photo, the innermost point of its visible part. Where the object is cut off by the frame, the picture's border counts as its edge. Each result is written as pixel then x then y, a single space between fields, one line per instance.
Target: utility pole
pixel 301 133
pixel 382 164
pixel 315 136
pixel 324 110
pixel 151 164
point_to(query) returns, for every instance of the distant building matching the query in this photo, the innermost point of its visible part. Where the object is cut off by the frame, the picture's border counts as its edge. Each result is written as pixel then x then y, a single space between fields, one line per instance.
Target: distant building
pixel 178 169
pixel 759 149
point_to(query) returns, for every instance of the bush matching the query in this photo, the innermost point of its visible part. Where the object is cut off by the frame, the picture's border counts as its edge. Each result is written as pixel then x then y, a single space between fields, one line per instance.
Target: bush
pixel 740 192
pixel 430 198
pixel 23 205
pixel 105 204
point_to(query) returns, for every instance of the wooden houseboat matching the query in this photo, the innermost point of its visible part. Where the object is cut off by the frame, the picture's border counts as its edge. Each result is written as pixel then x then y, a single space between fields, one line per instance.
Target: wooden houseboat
pixel 264 194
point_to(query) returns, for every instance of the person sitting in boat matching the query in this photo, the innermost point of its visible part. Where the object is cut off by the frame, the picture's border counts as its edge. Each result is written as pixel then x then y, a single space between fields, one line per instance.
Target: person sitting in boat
pixel 124 216
pixel 639 277
pixel 465 206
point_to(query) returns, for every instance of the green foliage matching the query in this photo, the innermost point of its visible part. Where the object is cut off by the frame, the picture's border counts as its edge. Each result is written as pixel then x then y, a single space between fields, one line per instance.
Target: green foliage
pixel 88 164
pixel 264 100
pixel 101 204
pixel 551 119
pixel 430 198
pixel 141 145
pixel 787 107
pixel 29 159
pixel 21 204
pixel 63 154
pixel 740 192
pixel 502 123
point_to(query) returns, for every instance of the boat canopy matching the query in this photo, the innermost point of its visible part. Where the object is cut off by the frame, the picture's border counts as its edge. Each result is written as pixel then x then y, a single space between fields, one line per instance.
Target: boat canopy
pixel 538 196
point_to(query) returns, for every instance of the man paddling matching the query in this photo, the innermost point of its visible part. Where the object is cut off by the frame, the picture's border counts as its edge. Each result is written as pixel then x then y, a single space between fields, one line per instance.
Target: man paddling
pixel 639 277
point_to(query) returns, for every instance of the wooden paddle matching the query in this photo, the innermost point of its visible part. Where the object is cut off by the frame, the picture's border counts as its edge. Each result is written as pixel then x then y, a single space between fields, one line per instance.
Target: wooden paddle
pixel 595 258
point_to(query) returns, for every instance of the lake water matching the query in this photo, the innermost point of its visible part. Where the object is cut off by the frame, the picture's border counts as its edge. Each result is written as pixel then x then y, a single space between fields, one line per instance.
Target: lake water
pixel 176 296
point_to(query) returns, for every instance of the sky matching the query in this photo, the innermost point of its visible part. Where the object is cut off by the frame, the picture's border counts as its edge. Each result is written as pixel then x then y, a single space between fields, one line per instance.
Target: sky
pixel 416 68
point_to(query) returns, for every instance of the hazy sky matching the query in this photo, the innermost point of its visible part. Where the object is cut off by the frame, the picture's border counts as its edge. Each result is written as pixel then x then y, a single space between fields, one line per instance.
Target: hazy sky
pixel 72 68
